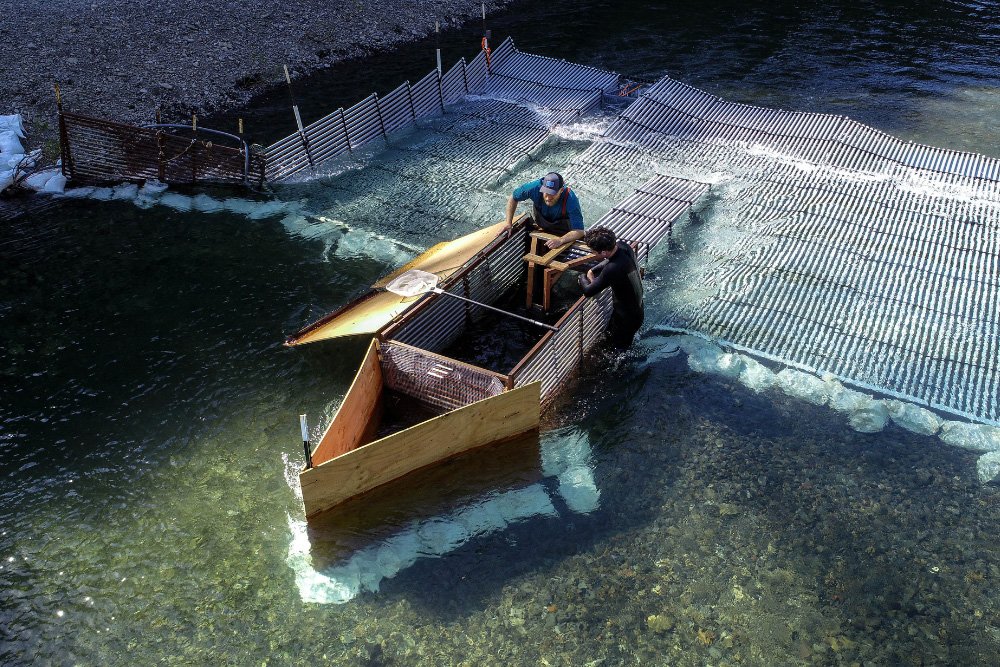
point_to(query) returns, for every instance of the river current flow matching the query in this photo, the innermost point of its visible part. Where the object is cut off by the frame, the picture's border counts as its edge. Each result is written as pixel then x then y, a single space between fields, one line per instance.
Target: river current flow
pixel 668 513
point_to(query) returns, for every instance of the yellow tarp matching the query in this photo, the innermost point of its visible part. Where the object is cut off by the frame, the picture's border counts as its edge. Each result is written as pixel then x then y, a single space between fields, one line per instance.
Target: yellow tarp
pixel 369 315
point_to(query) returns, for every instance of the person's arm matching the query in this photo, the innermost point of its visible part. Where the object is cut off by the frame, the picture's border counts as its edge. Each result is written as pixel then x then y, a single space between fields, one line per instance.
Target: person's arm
pixel 509 220
pixel 568 237
pixel 595 279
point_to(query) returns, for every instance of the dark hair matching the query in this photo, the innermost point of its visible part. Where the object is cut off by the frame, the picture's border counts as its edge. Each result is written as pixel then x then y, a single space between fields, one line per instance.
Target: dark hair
pixel 599 239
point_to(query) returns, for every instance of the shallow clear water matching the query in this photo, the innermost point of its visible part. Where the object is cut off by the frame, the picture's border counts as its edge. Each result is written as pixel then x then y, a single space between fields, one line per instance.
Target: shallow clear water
pixel 149 413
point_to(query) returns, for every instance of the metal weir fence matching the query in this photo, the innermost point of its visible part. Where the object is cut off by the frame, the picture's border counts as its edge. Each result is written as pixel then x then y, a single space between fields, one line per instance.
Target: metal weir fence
pixel 562 90
pixel 845 250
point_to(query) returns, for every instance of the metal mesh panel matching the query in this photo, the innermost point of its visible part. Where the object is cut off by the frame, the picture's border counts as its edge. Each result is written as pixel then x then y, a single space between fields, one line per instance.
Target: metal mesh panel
pixel 674 109
pixel 99 151
pixel 645 216
pixel 453 85
pixel 440 323
pixel 427 95
pixel 397 110
pixel 476 73
pixel 443 383
pixel 364 122
pixel 558 355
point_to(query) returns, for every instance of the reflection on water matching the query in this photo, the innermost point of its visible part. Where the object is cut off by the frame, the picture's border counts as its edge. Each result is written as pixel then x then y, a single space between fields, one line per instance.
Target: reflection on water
pixel 673 517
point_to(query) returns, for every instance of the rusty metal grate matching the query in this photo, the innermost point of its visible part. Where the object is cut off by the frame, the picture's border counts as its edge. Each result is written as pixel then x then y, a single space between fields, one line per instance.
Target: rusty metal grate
pixel 101 151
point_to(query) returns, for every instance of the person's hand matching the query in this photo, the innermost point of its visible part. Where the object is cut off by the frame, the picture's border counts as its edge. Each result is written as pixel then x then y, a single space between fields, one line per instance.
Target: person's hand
pixel 505 230
pixel 590 275
pixel 552 244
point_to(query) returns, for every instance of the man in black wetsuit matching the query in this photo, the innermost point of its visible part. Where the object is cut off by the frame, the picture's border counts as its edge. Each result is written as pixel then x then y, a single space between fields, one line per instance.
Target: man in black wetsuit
pixel 620 271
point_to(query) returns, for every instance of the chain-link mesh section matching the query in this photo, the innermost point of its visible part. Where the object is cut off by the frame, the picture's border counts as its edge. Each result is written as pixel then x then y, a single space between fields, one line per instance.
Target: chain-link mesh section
pixel 442 383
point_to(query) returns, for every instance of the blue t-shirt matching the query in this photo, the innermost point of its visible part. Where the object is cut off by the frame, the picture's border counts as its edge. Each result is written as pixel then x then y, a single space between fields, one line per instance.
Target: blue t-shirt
pixel 533 191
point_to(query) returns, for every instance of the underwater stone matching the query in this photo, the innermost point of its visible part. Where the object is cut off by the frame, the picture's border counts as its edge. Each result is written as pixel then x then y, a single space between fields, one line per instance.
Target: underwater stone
pixel 914 418
pixel 659 623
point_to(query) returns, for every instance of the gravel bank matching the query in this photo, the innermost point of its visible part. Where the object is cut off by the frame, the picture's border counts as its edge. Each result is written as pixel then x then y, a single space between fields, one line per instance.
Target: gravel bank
pixel 121 59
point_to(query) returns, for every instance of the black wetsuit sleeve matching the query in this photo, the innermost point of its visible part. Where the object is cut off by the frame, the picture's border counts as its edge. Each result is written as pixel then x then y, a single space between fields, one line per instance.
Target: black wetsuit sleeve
pixel 604 274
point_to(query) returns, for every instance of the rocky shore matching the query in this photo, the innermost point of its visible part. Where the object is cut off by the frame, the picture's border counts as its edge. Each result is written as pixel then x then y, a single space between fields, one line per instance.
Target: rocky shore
pixel 120 59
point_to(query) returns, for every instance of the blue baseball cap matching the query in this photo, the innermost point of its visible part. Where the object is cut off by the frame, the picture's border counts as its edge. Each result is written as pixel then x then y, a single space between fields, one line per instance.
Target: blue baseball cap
pixel 552 183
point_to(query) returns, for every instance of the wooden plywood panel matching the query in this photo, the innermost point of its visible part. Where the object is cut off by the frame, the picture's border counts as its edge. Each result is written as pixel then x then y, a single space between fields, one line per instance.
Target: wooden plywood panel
pixel 493 419
pixel 358 415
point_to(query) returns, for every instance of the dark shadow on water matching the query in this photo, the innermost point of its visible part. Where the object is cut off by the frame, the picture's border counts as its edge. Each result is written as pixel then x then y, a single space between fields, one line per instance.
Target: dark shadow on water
pixel 884 533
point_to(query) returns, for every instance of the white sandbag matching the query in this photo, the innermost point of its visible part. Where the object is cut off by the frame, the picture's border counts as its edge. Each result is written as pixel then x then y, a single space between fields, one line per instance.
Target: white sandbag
pixel 9 143
pixel 152 188
pixel 102 194
pixel 80 193
pixel 176 201
pixel 914 418
pixel 149 194
pixel 16 161
pixel 267 209
pixel 12 124
pixel 864 412
pixel 241 206
pixel 988 467
pixel 869 417
pixel 712 359
pixel 977 437
pixel 38 180
pixel 756 376
pixel 801 385
pixel 6 179
pixel 206 204
pixel 55 185
pixel 125 191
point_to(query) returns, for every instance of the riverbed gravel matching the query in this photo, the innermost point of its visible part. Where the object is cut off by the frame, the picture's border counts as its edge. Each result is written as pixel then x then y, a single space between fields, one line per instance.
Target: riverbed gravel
pixel 122 59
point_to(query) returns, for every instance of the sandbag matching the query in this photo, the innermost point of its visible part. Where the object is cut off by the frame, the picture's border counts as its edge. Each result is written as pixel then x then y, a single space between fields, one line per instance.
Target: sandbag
pixel 9 144
pixel 12 124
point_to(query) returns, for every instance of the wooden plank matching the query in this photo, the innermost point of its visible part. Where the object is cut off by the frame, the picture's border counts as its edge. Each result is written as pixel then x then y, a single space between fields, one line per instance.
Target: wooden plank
pixel 359 413
pixel 536 259
pixel 490 420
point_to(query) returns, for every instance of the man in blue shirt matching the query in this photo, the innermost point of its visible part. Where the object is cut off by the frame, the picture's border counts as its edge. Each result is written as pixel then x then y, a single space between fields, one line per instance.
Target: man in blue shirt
pixel 555 209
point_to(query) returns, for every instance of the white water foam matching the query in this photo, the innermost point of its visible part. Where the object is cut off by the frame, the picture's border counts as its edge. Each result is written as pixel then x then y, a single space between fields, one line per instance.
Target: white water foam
pixel 865 413
pixel 565 454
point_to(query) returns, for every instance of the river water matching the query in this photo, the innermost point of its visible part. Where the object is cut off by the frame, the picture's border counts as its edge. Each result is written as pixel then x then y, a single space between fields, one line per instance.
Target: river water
pixel 149 411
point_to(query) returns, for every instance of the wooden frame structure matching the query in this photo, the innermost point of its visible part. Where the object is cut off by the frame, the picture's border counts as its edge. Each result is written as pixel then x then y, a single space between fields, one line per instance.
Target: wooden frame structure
pixel 474 406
